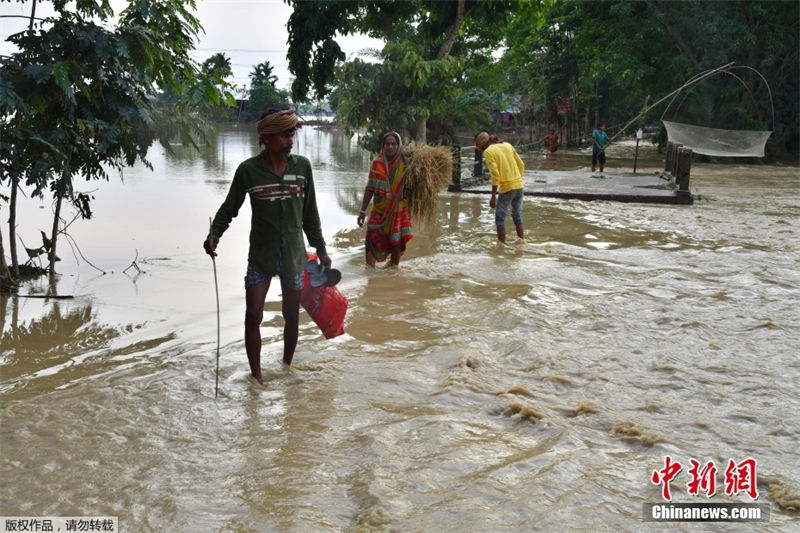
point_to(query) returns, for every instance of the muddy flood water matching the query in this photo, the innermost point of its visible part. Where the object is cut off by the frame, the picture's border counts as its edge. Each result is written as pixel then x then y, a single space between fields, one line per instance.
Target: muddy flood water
pixel 478 388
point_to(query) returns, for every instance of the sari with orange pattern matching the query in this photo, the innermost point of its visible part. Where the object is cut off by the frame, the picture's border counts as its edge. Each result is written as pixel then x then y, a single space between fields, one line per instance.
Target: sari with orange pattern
pixel 389 225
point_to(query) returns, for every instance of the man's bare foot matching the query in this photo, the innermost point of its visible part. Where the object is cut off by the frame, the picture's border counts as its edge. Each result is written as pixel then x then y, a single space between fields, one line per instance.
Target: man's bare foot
pixel 258 378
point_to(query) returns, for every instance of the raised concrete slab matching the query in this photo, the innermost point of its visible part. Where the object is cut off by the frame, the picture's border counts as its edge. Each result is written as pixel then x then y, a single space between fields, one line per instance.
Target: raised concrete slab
pixel 583 185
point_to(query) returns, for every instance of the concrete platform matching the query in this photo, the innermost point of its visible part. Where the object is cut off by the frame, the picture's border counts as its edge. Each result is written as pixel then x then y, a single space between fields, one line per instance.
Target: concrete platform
pixel 583 185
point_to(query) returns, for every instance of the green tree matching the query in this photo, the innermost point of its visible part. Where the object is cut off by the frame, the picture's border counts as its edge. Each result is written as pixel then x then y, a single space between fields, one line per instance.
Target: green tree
pixel 263 93
pixel 262 75
pixel 761 35
pixel 217 70
pixel 418 76
pixel 80 97
pixel 217 66
pixel 614 56
pixel 404 91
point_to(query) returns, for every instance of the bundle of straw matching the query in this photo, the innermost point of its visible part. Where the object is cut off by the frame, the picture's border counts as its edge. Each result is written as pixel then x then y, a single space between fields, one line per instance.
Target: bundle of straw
pixel 429 170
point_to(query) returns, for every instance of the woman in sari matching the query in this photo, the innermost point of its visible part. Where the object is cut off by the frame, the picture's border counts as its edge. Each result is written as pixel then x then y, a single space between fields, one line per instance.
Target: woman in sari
pixel 389 225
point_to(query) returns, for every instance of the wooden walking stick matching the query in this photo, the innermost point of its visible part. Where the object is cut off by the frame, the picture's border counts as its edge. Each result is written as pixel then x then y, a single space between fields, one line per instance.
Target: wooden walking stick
pixel 216 290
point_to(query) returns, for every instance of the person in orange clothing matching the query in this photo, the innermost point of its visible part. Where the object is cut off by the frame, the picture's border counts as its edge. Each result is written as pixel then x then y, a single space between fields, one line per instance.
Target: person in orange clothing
pixel 553 141
pixel 389 226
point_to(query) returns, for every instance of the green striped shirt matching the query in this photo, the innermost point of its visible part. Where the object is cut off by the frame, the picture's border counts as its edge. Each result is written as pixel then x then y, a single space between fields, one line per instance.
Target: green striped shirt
pixel 283 208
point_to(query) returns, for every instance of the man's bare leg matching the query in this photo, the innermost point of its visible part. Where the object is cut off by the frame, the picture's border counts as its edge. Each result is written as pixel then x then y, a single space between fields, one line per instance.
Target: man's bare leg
pixel 291 321
pixel 521 232
pixel 254 297
pixel 501 235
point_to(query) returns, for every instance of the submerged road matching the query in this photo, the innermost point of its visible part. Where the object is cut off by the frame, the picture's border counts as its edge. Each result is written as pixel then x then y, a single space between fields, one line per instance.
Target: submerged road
pixel 582 185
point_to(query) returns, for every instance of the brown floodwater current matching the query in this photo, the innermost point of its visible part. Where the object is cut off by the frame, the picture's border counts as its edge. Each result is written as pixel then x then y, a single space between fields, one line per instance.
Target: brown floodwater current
pixel 479 387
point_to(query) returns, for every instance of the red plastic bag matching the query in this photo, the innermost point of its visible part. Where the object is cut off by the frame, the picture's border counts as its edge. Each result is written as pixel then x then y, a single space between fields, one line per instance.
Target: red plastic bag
pixel 326 305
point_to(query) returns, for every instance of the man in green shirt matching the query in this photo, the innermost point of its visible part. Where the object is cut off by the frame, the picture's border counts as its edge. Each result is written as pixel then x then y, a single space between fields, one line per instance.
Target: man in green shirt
pixel 284 206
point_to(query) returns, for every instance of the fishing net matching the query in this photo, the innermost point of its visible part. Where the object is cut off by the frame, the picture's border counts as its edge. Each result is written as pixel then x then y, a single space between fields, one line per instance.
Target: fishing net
pixel 718 142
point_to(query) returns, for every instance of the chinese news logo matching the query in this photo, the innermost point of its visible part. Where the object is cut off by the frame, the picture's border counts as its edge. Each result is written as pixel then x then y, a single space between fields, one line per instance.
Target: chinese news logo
pixel 739 478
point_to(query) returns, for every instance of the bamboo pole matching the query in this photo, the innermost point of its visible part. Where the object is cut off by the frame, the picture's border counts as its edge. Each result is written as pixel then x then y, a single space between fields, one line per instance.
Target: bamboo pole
pixel 691 81
pixel 216 290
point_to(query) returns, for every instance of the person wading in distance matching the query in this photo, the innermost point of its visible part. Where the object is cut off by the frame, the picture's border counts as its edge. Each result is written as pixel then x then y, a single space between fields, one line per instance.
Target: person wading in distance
pixel 505 169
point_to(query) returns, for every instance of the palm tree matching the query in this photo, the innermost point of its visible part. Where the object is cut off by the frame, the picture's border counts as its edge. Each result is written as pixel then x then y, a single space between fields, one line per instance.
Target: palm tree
pixel 218 65
pixel 262 75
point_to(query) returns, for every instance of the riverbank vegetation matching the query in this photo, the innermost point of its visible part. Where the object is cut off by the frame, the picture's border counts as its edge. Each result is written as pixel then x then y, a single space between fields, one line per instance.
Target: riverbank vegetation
pixel 88 92
pixel 528 66
pixel 81 97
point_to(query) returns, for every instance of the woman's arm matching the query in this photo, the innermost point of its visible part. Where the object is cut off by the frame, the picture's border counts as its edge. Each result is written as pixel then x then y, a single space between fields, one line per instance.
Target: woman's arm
pixel 364 204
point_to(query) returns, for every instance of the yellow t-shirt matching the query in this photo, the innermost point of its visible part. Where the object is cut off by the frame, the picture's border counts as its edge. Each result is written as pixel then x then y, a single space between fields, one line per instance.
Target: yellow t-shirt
pixel 505 167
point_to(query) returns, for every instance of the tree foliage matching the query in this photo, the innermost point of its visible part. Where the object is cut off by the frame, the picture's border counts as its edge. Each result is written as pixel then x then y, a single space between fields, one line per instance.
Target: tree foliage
pixel 608 57
pixel 396 92
pixel 613 56
pixel 80 97
pixel 416 79
pixel 263 93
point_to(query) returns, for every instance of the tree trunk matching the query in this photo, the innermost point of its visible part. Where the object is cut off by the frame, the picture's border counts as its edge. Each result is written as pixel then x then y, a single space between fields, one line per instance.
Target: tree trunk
pixel 60 193
pixel 448 41
pixel 12 227
pixel 3 265
pixel 54 234
pixel 421 133
pixel 452 30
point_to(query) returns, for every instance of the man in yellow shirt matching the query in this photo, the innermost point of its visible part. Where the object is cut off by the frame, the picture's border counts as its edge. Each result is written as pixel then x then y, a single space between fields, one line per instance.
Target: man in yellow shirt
pixel 505 168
